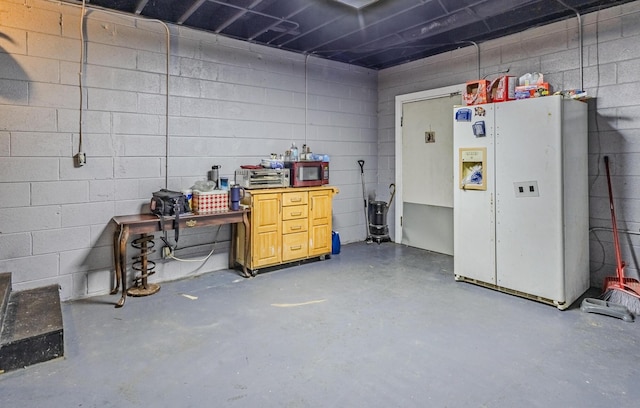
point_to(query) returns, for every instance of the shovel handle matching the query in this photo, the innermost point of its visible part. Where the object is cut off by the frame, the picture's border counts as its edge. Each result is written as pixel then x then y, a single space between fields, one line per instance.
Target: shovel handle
pixel 361 163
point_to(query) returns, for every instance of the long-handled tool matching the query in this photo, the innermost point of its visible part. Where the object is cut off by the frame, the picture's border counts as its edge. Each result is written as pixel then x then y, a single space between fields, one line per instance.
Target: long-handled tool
pixel 615 297
pixel 620 289
pixel 364 198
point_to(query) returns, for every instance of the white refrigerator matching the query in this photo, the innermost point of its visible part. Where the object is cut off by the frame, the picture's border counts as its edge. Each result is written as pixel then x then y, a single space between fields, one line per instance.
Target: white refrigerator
pixel 521 208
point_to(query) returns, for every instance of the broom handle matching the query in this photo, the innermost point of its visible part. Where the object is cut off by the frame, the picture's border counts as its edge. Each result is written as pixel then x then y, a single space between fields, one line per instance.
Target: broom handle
pixel 616 241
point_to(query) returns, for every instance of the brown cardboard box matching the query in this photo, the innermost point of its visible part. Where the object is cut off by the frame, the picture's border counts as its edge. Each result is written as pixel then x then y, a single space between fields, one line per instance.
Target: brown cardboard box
pixel 476 92
pixel 503 89
pixel 532 91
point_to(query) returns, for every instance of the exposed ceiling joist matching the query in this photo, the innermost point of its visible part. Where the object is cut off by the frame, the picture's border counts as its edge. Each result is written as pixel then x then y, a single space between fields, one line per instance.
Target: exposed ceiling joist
pixel 378 35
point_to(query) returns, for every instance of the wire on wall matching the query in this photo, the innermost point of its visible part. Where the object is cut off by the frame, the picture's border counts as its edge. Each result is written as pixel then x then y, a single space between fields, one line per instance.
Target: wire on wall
pixel 580 39
pixel 306 97
pixel 80 159
pixel 475 44
pixel 213 247
pixel 81 71
pixel 83 8
pixel 597 238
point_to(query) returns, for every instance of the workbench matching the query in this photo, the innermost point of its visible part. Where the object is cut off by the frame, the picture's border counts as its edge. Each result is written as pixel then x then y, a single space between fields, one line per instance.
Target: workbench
pixel 145 224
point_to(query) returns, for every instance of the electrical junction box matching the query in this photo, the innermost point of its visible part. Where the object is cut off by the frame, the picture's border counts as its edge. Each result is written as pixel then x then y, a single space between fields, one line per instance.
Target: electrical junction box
pixel 430 137
pixel 526 189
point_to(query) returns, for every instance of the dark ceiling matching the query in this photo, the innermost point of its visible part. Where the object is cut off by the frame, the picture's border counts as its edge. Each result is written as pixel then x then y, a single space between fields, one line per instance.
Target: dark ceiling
pixel 380 35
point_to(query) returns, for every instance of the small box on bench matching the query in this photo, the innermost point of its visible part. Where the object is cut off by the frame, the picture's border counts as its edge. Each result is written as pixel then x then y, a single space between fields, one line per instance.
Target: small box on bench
pixel 210 201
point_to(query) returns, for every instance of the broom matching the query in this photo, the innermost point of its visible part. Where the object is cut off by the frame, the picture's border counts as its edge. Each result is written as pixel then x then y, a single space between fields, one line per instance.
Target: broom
pixel 620 289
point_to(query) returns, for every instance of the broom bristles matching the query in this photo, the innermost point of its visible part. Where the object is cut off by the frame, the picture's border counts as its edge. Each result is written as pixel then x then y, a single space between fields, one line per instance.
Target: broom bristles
pixel 624 298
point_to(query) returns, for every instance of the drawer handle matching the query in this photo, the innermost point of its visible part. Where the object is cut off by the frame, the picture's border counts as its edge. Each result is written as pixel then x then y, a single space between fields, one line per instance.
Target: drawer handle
pixel 297 213
pixel 296 227
pixel 296 199
pixel 296 248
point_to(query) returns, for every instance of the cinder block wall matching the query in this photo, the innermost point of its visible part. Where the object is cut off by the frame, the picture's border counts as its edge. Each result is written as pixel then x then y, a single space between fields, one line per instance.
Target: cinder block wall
pixel 611 55
pixel 230 103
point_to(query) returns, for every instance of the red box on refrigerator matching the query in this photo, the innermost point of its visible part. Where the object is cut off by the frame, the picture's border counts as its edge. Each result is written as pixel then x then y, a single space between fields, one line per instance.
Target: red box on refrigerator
pixel 503 89
pixel 476 92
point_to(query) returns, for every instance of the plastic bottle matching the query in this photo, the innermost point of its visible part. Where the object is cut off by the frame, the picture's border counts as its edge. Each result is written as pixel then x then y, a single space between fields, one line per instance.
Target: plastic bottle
pixel 294 152
pixel 213 175
pixel 189 194
pixel 335 243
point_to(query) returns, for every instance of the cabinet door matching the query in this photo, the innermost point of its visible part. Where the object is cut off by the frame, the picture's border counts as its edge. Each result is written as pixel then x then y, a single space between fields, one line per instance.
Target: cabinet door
pixel 319 223
pixel 266 228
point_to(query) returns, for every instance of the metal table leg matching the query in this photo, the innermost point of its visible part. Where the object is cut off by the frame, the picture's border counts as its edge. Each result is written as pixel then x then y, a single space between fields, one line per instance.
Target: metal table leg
pixel 143 265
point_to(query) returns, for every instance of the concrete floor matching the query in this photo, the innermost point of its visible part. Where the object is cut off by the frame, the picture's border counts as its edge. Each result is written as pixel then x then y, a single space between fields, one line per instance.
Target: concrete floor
pixel 376 326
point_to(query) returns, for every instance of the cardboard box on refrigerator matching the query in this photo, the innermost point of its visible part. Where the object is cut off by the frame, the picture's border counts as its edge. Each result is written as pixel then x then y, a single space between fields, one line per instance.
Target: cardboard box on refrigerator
pixel 210 201
pixel 503 89
pixel 476 92
pixel 532 91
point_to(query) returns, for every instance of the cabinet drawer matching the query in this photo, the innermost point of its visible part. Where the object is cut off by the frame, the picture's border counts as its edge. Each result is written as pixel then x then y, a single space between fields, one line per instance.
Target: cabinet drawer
pixel 290 226
pixel 295 212
pixel 294 198
pixel 295 246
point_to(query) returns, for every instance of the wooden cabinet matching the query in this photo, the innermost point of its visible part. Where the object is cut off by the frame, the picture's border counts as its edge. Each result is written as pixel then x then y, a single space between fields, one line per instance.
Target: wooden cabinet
pixel 319 222
pixel 295 231
pixel 266 229
pixel 287 225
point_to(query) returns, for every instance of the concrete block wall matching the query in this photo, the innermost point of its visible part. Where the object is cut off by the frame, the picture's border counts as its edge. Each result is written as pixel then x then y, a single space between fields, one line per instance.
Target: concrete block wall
pixel 230 103
pixel 611 59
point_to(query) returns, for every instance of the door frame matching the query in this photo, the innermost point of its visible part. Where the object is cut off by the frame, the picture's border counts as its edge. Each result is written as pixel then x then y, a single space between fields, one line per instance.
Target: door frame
pixel 401 100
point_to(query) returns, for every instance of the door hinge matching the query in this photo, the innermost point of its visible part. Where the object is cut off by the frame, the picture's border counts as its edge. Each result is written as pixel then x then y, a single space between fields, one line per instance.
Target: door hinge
pixel 401 220
pixel 401 120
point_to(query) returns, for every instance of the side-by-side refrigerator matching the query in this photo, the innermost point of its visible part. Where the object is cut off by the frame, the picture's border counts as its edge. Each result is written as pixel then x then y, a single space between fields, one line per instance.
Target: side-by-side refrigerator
pixel 521 208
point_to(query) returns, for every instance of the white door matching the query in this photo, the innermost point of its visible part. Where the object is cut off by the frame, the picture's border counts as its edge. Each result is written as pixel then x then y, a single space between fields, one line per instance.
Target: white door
pixel 424 163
